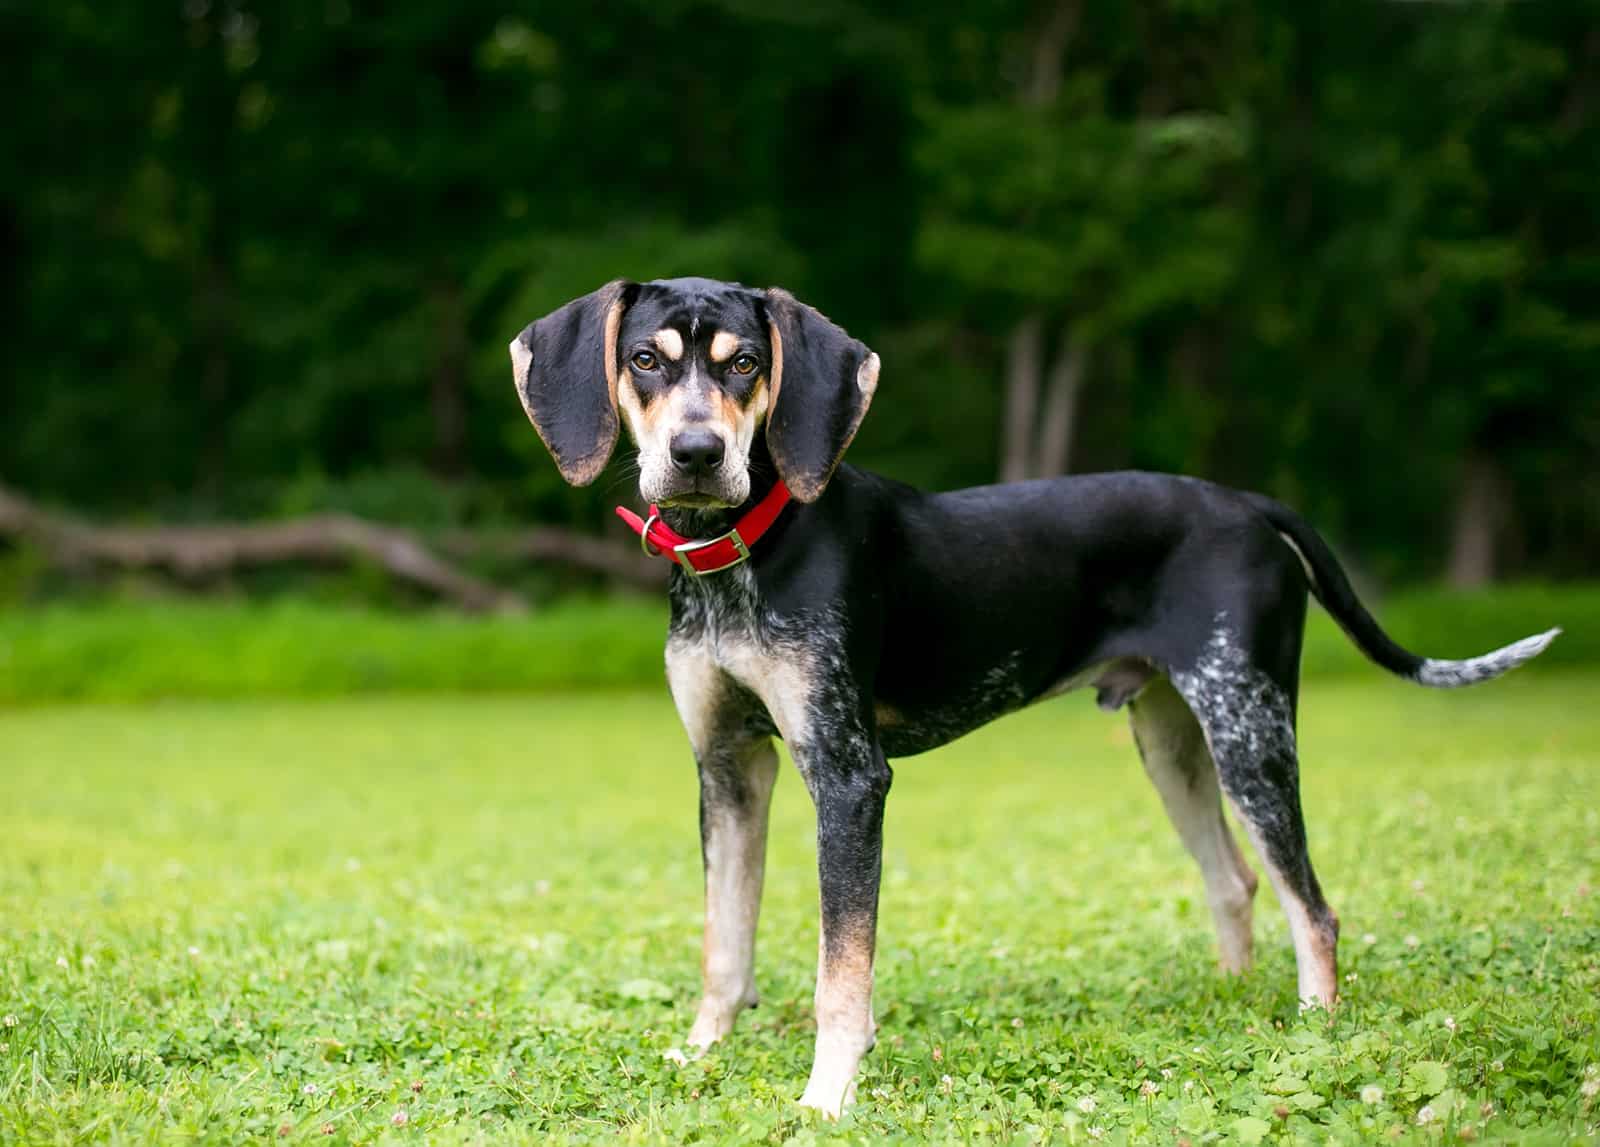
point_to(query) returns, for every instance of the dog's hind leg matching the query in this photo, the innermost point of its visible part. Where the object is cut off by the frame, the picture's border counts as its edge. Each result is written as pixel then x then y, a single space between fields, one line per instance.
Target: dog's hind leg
pixel 1175 756
pixel 738 766
pixel 1248 717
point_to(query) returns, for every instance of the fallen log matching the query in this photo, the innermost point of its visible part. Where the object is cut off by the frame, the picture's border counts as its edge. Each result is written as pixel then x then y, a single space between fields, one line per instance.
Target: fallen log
pixel 201 550
pixel 615 559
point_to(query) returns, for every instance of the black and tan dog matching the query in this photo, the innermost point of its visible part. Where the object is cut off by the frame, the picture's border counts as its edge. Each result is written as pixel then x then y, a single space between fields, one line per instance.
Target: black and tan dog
pixel 867 620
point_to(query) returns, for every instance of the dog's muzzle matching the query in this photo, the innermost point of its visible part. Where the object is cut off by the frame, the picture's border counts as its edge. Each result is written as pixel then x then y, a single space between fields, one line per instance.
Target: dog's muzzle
pixel 697 453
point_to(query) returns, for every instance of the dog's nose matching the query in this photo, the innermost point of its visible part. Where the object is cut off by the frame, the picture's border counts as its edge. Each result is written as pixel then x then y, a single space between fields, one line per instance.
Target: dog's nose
pixel 696 452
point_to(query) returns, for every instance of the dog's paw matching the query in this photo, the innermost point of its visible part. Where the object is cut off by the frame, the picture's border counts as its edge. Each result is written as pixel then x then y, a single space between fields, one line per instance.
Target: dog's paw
pixel 828 1098
pixel 677 1056
pixel 714 1020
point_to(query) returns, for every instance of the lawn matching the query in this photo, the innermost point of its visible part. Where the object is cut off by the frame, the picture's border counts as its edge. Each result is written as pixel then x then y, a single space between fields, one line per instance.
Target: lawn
pixel 164 648
pixel 454 918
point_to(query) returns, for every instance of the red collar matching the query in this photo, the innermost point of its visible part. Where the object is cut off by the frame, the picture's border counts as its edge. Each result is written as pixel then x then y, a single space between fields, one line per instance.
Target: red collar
pixel 714 554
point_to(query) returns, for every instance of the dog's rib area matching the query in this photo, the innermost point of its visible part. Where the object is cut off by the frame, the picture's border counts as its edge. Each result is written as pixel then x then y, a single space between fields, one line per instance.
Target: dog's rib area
pixel 906 730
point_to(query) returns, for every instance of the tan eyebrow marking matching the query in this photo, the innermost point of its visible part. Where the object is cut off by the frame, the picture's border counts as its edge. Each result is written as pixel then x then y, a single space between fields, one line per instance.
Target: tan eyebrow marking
pixel 723 345
pixel 669 342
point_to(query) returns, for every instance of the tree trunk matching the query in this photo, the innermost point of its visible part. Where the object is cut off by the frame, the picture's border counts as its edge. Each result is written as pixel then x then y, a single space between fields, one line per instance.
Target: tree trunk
pixel 1480 507
pixel 1024 357
pixel 1049 43
pixel 1025 346
pixel 1061 407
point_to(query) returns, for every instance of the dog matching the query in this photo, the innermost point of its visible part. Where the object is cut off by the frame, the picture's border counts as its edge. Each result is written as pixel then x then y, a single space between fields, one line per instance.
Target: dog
pixel 862 620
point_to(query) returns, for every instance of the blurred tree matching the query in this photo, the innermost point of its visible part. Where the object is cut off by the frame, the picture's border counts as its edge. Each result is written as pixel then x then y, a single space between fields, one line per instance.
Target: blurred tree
pixel 264 260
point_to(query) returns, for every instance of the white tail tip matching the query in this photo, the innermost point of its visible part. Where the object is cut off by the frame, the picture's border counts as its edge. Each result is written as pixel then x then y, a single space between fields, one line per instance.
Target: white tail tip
pixel 1454 674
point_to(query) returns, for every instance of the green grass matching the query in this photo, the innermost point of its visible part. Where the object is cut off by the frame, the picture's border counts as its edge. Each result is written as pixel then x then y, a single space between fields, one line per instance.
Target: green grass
pixel 138 651
pixel 226 921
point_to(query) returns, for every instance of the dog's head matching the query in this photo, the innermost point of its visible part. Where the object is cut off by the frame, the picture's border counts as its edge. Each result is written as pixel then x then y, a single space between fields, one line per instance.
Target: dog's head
pixel 696 369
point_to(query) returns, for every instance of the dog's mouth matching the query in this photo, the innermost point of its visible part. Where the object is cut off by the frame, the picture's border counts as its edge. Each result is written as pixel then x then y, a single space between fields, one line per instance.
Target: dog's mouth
pixel 714 491
pixel 695 500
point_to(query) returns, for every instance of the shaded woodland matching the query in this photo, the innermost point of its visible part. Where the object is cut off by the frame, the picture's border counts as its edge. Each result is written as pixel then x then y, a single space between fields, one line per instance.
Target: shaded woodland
pixel 262 261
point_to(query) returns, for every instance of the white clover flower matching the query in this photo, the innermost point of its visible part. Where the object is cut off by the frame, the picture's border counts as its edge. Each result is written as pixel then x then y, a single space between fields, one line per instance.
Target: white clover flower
pixel 1371 1094
pixel 1148 1088
pixel 309 1089
pixel 1188 1086
pixel 1097 1132
pixel 1590 1088
pixel 1427 1115
pixel 10 1021
pixel 1087 1104
pixel 1412 942
pixel 1450 1022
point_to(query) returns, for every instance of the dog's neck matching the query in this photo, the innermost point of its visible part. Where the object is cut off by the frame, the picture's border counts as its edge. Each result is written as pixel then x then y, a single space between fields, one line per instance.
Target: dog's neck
pixel 697 523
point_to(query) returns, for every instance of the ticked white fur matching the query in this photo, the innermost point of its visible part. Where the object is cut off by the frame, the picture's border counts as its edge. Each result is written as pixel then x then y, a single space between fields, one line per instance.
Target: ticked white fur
pixel 699 672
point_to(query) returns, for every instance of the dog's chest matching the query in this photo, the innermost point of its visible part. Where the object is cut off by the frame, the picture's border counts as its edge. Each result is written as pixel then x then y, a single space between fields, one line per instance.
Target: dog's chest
pixel 720 633
pixel 720 620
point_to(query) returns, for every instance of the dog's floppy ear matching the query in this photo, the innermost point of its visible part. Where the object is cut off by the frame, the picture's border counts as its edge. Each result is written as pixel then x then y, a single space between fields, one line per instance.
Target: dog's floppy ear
pixel 822 383
pixel 565 367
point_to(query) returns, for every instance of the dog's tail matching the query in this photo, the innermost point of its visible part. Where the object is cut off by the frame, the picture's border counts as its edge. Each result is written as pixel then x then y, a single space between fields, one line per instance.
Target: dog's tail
pixel 1332 589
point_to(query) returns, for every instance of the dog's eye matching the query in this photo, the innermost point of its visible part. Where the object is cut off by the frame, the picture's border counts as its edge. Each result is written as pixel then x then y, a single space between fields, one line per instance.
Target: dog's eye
pixel 744 364
pixel 644 360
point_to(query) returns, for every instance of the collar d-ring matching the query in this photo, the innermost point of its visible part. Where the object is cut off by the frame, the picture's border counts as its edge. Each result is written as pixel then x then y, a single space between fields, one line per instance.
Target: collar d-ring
pixel 650 550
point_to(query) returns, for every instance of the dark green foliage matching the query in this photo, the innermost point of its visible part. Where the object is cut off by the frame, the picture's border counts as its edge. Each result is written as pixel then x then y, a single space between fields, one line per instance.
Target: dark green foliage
pixel 261 259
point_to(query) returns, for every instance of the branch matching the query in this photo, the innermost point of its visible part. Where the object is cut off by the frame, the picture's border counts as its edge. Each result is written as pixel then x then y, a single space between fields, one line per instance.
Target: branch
pixel 621 561
pixel 194 551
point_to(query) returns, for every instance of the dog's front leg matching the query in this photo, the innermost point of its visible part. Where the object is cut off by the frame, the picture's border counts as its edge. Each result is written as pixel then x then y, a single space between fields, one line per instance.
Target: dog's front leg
pixel 736 781
pixel 849 781
pixel 738 766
